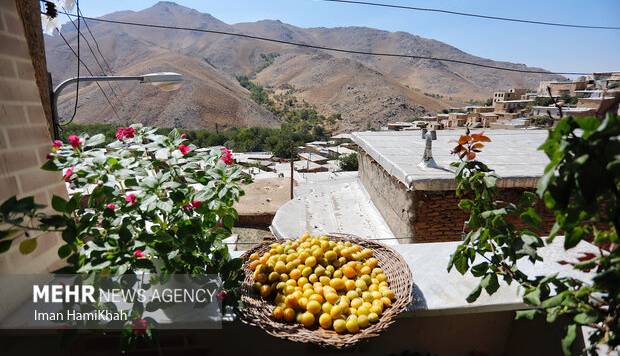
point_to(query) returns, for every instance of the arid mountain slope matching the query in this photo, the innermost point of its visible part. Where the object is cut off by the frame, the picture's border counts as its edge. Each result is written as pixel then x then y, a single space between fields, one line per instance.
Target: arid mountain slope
pixel 361 88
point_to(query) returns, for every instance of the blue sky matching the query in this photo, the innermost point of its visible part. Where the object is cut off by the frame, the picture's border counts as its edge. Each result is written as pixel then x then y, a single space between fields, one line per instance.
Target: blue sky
pixel 553 48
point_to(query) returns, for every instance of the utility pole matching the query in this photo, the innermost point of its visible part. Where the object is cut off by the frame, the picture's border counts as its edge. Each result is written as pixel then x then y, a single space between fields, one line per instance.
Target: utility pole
pixel 292 167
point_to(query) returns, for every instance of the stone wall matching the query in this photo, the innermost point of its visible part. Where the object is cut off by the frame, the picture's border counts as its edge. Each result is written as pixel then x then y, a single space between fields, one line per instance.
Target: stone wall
pixel 389 195
pixel 24 130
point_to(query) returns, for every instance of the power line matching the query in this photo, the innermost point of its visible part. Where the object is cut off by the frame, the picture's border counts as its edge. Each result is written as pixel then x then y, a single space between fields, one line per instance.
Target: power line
pixel 77 92
pixel 96 42
pixel 95 57
pixel 475 15
pixel 91 73
pixel 105 61
pixel 341 50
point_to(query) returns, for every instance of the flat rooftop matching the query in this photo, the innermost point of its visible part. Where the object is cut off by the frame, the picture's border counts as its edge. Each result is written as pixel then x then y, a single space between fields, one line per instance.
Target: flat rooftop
pixel 512 153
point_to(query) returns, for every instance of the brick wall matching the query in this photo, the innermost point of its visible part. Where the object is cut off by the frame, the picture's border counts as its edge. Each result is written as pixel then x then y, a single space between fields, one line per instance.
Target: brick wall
pixel 424 216
pixel 24 132
pixel 438 217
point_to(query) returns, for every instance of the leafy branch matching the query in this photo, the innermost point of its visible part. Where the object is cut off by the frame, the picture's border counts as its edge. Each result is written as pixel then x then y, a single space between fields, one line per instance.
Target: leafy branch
pixel 580 186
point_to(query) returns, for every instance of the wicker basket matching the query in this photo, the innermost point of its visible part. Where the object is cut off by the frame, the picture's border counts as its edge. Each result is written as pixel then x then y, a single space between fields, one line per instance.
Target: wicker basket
pixel 257 311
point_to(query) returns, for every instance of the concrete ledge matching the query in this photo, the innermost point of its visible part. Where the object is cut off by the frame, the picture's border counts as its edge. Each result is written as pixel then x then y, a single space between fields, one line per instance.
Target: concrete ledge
pixel 439 292
pixel 512 153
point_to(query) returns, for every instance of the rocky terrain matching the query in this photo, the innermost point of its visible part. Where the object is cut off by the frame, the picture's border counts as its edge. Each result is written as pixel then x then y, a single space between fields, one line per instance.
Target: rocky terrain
pixel 364 90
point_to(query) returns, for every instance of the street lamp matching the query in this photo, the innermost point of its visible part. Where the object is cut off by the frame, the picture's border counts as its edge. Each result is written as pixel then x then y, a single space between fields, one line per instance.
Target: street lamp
pixel 166 81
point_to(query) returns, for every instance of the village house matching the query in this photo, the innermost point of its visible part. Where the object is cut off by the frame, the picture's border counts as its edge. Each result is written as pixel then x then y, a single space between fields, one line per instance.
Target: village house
pixel 456 119
pixel 510 106
pixel 511 94
pixel 488 118
pixel 607 80
pixel 399 125
pixel 602 102
pixel 566 111
pixel 561 88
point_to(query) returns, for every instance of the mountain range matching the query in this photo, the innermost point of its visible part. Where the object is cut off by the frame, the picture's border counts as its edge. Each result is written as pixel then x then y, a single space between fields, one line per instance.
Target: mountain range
pixel 367 91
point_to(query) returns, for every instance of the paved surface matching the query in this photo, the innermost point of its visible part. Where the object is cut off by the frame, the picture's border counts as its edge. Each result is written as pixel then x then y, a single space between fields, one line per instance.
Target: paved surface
pixel 512 153
pixel 264 196
pixel 331 205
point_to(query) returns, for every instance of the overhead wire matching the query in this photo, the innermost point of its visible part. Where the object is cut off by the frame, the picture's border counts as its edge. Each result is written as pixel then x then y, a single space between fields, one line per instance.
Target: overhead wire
pixel 95 57
pixel 450 12
pixel 333 49
pixel 77 84
pixel 91 73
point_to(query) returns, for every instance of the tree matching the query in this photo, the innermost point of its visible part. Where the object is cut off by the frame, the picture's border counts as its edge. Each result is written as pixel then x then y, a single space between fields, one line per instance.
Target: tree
pixel 348 162
pixel 581 187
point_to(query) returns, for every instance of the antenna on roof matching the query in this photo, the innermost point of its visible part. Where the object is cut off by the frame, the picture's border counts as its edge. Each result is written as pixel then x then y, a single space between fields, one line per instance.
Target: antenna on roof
pixel 427 159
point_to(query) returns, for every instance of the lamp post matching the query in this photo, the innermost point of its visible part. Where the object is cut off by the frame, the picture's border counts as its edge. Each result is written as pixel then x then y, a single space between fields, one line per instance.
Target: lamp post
pixel 166 81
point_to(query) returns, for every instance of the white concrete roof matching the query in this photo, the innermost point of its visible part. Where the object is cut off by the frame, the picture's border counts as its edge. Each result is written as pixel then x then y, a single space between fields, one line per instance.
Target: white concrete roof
pixel 308 166
pixel 438 292
pixel 339 205
pixel 513 155
pixel 340 150
pixel 312 157
pixel 344 136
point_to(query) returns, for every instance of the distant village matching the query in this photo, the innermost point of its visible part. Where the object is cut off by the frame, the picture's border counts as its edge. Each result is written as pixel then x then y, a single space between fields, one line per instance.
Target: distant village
pixel 516 108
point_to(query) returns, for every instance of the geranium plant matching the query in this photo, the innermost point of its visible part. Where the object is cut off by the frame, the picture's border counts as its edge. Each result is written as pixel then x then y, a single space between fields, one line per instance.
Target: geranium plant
pixel 144 202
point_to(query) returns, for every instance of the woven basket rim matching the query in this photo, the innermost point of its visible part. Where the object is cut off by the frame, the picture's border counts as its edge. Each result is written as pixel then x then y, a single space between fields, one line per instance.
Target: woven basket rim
pixel 257 311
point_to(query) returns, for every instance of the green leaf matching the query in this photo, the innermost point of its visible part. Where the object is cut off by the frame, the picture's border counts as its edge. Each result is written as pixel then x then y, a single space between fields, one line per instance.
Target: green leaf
pixel 466 204
pixel 27 246
pixel 49 165
pixel 569 338
pixel 7 233
pixel 531 217
pixel 228 221
pixel 543 182
pixel 553 301
pixel 95 140
pixel 480 269
pixel 473 296
pixel 573 237
pixel 490 283
pixel 532 297
pixel 529 314
pixel 461 263
pixel 490 181
pixel 59 204
pixel 586 317
pixel 8 205
pixel 5 245
pixel 64 251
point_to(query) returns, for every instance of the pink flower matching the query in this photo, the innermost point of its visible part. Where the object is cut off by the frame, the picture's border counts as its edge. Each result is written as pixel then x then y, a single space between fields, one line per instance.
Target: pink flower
pixel 125 132
pixel 56 145
pixel 139 326
pixel 195 204
pixel 131 198
pixel 183 135
pixel 227 156
pixel 221 295
pixel 110 206
pixel 138 254
pixel 184 149
pixel 74 141
pixel 68 173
